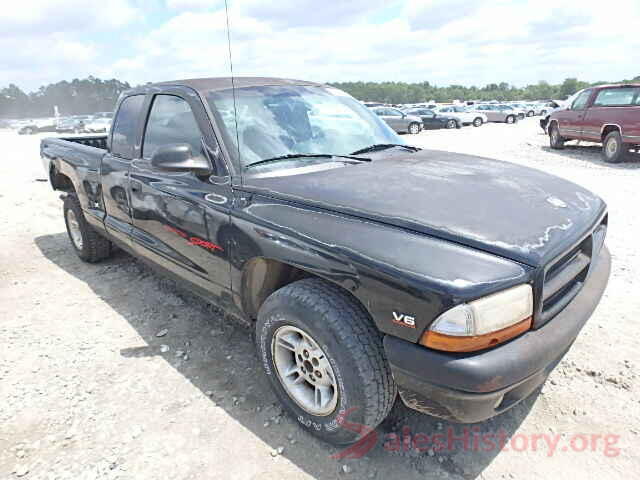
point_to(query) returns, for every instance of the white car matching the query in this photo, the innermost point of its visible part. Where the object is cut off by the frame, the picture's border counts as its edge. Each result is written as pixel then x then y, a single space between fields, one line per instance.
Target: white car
pixel 466 117
pixel 98 125
pixel 528 109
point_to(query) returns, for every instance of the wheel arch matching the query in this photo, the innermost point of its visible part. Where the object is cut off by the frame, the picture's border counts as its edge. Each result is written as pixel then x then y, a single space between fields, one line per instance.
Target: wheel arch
pixel 60 181
pixel 607 128
pixel 261 276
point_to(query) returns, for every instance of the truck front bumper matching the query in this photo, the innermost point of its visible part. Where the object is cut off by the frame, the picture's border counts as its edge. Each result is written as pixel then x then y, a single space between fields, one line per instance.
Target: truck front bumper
pixel 472 387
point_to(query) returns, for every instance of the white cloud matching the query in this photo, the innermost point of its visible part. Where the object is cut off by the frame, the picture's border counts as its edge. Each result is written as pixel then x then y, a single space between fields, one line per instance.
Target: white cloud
pixel 442 41
pixel 192 4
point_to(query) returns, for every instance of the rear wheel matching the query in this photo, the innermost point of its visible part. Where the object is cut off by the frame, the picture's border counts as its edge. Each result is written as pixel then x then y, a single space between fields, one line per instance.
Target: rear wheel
pixel 88 244
pixel 555 140
pixel 324 357
pixel 414 128
pixel 510 119
pixel 530 113
pixel 477 122
pixel 613 149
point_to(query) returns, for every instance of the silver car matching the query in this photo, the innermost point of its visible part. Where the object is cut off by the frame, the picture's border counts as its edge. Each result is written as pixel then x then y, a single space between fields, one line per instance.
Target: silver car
pixel 498 113
pixel 399 121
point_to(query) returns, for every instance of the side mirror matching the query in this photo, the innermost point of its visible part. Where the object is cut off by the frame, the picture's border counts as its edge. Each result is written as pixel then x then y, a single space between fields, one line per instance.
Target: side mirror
pixel 178 157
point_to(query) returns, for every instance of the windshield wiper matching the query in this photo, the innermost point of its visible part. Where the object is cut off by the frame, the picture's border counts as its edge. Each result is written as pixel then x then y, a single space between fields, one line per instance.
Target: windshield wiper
pixel 384 146
pixel 306 155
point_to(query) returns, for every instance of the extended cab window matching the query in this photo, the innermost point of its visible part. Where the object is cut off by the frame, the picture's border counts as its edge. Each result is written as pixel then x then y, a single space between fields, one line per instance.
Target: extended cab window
pixel 616 97
pixel 125 126
pixel 171 121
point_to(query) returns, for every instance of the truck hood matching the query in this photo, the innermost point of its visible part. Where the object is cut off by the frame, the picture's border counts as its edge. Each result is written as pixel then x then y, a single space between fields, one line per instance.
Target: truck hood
pixel 509 210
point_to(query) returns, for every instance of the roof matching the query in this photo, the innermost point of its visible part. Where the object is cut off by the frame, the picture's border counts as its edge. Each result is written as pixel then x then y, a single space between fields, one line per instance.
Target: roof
pixel 224 83
pixel 615 85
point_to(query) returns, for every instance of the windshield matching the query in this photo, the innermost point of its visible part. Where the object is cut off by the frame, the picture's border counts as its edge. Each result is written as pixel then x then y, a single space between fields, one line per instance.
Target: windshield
pixel 273 121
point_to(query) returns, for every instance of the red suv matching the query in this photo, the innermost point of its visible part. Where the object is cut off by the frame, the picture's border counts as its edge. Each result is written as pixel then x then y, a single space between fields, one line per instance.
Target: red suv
pixel 608 114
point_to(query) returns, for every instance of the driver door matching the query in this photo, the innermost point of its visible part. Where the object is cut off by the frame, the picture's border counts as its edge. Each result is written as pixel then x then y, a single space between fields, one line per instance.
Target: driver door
pixel 177 216
pixel 571 120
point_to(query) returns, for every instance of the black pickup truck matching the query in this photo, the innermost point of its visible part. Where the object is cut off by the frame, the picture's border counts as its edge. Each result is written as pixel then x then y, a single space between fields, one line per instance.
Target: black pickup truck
pixel 367 267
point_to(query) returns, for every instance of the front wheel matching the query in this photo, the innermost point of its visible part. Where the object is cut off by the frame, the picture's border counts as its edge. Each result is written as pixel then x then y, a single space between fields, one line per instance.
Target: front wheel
pixel 414 128
pixel 451 124
pixel 555 140
pixel 613 149
pixel 477 122
pixel 510 119
pixel 325 361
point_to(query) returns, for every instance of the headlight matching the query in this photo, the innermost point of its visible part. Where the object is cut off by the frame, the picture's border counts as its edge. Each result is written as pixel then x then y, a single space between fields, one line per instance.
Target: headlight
pixel 482 323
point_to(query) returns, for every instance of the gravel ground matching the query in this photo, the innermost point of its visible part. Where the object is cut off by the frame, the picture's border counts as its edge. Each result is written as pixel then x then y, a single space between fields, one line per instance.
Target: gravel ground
pixel 111 371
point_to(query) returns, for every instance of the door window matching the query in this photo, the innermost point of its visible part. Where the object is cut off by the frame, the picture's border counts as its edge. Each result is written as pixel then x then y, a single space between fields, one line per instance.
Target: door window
pixel 615 97
pixel 393 112
pixel 581 100
pixel 171 121
pixel 125 126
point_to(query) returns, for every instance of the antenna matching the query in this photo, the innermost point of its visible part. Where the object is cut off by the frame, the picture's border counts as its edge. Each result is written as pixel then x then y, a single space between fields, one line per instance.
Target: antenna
pixel 233 86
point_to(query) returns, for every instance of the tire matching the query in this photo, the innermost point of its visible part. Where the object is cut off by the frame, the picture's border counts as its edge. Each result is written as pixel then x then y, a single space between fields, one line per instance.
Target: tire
pixel 90 246
pixel 510 119
pixel 555 140
pixel 521 116
pixel 613 149
pixel 477 122
pixel 414 128
pixel 29 131
pixel 350 347
pixel 543 113
pixel 451 124
pixel 530 113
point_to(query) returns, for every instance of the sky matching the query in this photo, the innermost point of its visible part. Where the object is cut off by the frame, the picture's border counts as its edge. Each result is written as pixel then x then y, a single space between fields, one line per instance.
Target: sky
pixel 461 42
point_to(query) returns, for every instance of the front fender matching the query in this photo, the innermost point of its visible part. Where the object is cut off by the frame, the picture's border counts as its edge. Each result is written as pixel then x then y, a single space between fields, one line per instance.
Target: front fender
pixel 388 269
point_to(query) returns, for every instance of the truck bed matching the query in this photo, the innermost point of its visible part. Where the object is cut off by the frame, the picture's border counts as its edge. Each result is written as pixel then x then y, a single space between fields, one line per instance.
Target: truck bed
pixel 83 152
pixel 96 141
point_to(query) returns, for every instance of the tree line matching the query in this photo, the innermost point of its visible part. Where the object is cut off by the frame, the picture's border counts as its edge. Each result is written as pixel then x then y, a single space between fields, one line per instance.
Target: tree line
pixel 92 94
pixel 76 97
pixel 400 92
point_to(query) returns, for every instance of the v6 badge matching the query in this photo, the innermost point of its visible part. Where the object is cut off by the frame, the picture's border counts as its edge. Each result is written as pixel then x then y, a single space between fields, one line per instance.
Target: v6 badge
pixel 404 320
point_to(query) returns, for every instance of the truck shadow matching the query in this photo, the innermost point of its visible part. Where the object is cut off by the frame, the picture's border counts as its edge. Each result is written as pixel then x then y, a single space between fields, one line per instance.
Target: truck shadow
pixel 218 357
pixel 592 153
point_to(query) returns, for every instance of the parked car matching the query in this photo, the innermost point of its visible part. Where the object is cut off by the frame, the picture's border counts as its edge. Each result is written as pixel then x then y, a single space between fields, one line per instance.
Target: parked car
pixel 527 109
pixel 432 120
pixel 38 125
pixel 98 125
pixel 69 125
pixel 365 267
pixel 399 121
pixel 464 114
pixel 496 113
pixel 607 114
pixel 103 115
pixel 548 108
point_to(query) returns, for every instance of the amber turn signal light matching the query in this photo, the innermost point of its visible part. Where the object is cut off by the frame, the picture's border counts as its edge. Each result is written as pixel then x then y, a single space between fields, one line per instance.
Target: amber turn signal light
pixel 454 343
